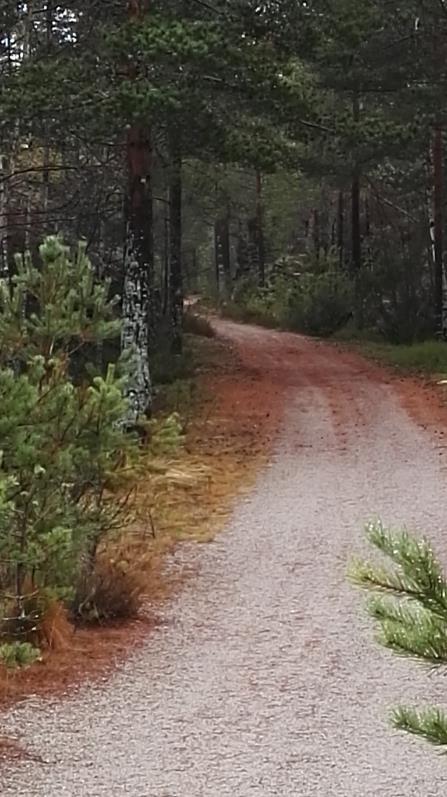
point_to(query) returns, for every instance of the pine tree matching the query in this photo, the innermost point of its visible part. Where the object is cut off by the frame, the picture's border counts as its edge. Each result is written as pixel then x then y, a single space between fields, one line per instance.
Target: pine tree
pixel 62 435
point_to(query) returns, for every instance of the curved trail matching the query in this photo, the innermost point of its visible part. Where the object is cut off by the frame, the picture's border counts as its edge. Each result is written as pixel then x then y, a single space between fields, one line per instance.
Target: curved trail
pixel 265 680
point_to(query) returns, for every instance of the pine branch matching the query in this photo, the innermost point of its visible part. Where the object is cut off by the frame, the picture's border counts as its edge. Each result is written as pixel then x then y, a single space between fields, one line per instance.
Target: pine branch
pixel 406 613
pixel 373 577
pixel 424 639
pixel 430 724
pixel 418 575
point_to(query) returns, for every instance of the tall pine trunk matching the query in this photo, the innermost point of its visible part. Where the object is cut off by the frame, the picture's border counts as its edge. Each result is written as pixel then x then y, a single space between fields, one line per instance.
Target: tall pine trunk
pixel 176 299
pixel 138 253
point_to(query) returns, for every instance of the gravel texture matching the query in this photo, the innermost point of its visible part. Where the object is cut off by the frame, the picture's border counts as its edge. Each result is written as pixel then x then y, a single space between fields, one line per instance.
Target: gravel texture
pixel 265 679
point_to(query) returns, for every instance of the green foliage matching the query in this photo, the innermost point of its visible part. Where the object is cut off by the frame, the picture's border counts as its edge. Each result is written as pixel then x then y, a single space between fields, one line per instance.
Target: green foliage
pixel 63 443
pixel 18 654
pixel 410 609
pixel 320 304
pixel 430 724
pixel 429 357
pixel 165 435
pixel 306 295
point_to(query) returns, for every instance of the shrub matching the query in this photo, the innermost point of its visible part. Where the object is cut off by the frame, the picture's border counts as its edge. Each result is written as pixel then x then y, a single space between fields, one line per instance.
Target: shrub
pixel 18 654
pixel 306 296
pixel 320 303
pixel 165 435
pixel 64 447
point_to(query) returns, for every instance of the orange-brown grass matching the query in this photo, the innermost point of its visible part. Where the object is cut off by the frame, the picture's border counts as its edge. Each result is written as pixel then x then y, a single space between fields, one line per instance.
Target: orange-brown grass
pixel 227 439
pixel 55 630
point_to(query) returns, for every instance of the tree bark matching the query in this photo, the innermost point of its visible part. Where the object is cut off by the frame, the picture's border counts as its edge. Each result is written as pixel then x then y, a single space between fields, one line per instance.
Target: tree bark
pixel 138 253
pixel 356 229
pixel 222 249
pixel 260 230
pixel 438 224
pixel 242 253
pixel 165 302
pixel 175 246
pixel 4 253
pixel 341 228
pixel 355 196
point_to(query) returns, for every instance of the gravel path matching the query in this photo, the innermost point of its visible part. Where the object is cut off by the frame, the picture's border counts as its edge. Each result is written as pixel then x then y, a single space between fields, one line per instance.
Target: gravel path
pixel 265 679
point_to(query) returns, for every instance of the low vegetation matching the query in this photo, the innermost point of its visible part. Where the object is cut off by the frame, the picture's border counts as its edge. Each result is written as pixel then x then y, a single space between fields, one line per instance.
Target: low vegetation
pixel 427 357
pixel 307 295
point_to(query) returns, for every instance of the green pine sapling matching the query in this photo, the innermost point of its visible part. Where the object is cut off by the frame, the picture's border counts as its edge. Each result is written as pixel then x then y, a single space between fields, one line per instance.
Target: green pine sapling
pixel 63 442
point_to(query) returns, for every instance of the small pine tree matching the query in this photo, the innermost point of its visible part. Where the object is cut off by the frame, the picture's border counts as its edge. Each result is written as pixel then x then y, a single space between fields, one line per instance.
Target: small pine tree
pixel 409 605
pixel 63 441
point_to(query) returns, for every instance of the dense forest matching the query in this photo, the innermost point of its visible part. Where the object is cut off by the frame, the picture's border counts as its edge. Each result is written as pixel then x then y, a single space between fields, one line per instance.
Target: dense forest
pixel 285 157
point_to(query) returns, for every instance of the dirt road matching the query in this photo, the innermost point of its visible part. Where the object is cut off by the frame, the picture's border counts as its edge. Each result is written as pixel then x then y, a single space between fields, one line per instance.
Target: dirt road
pixel 265 679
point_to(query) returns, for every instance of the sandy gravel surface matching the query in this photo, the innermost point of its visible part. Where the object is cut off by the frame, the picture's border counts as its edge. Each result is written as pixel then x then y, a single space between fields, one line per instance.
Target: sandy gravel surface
pixel 264 680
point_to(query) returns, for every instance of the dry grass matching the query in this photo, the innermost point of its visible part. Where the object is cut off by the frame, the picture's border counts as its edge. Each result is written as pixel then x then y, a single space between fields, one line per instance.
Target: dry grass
pixel 55 631
pixel 227 437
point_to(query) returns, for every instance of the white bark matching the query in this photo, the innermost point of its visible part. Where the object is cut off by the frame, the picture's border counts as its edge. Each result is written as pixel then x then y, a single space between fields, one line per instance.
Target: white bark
pixel 3 220
pixel 135 331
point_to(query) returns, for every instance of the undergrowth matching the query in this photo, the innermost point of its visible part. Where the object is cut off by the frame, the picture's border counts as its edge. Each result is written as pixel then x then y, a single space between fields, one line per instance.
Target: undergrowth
pixel 309 295
pixel 427 357
pixel 18 654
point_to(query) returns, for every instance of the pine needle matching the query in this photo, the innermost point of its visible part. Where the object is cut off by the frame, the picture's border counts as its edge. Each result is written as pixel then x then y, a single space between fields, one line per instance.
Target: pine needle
pixel 430 724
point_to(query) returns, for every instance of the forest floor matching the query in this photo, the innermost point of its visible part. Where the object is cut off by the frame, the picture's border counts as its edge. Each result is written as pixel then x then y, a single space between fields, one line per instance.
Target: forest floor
pixel 263 678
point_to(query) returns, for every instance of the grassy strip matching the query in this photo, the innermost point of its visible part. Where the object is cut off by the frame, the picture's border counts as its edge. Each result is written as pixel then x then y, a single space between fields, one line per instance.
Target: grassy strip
pixel 428 357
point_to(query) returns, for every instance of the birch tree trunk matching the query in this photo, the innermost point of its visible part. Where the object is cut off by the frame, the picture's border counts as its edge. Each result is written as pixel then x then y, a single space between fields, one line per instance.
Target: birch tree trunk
pixel 4 265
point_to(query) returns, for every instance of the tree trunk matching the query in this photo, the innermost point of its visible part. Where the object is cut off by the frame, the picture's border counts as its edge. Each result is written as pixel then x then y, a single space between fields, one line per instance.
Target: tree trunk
pixel 242 253
pixel 438 232
pixel 165 302
pixel 222 250
pixel 316 234
pixel 355 194
pixel 4 254
pixel 175 247
pixel 138 254
pixel 260 230
pixel 46 146
pixel 341 228
pixel 356 229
